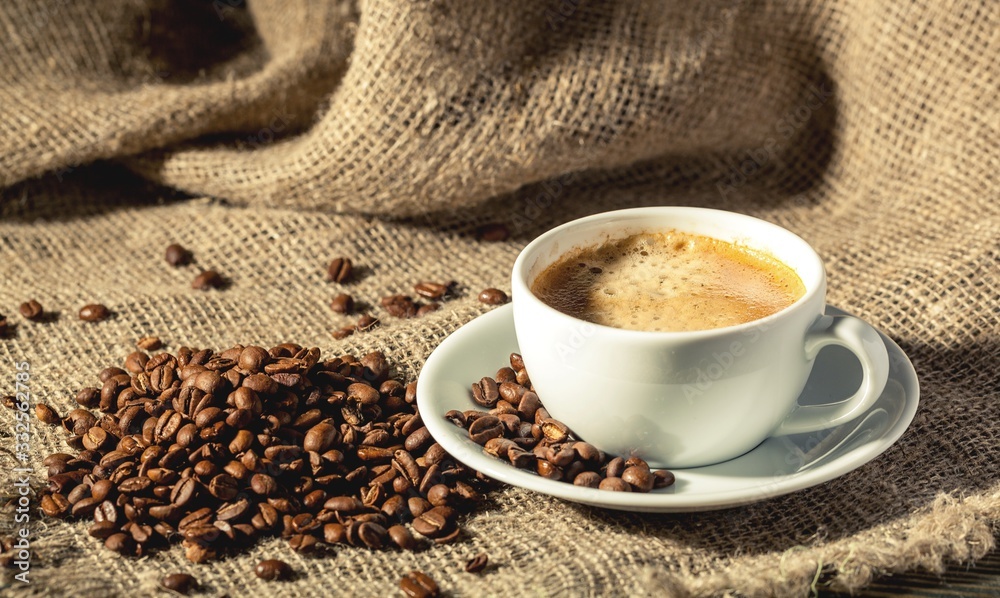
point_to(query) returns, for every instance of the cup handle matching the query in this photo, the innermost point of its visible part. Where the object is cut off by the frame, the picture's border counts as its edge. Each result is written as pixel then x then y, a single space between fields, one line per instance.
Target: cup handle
pixel 864 341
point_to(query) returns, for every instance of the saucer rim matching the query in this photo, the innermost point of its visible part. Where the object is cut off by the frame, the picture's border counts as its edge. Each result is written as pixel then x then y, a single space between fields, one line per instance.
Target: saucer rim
pixel 436 366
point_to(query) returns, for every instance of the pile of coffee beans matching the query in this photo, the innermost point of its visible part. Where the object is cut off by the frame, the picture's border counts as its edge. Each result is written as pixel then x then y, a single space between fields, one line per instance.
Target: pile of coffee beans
pixel 217 449
pixel 519 430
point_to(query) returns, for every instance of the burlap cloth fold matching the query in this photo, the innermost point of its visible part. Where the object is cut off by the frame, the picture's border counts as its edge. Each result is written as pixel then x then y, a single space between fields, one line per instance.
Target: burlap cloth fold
pixel 388 130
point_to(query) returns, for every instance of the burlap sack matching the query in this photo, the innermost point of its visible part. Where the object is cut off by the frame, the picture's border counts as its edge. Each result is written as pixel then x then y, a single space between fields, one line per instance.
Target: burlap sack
pixel 869 128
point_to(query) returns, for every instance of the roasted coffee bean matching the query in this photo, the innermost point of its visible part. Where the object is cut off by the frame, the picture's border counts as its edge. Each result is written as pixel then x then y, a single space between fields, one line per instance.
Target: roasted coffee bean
pixel 135 485
pixel 342 333
pixel 485 392
pixel 436 522
pixel 136 362
pixel 88 397
pixel 554 430
pixel 176 255
pixel 430 290
pixel 263 484
pixel 342 303
pixel 55 505
pixel 372 535
pixel 588 479
pixel 662 478
pixel 120 543
pixel 103 530
pixel 402 537
pixel 208 279
pixel 615 485
pixel 485 428
pixel 416 584
pixel 340 270
pixel 149 343
pixel 399 306
pixel 4 326
pixel 94 312
pixel 493 232
pixel 365 323
pixel 77 494
pixel 272 569
pixel 615 468
pixel 46 414
pixel 223 486
pixel 492 296
pixel 31 310
pixel 183 491
pixel 303 543
pixel 477 563
pixel 418 440
pixel 428 308
pixel 182 583
pixel 639 478
pixel 334 533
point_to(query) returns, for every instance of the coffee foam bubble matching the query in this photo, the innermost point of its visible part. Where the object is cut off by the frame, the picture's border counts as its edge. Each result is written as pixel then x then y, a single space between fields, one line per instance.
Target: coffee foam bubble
pixel 669 281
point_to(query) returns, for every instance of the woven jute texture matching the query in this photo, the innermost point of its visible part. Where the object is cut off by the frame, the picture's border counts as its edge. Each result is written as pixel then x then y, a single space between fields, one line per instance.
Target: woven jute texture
pixel 271 136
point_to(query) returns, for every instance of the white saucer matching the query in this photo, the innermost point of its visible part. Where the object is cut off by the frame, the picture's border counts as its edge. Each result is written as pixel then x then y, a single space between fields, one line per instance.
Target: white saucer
pixel 777 466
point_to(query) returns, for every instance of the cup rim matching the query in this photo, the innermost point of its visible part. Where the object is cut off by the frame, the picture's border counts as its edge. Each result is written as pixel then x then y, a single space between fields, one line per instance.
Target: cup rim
pixel 521 290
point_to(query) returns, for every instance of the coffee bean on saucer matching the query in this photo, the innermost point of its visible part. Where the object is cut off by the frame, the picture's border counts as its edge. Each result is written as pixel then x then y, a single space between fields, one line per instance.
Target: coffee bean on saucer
pixel 492 296
pixel 31 310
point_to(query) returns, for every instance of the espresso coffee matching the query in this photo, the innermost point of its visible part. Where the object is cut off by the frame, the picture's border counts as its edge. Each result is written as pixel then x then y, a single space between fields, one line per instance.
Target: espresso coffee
pixel 668 281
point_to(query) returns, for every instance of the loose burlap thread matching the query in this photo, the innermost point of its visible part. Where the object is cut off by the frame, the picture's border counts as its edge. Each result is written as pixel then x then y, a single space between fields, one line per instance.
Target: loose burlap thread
pixel 273 136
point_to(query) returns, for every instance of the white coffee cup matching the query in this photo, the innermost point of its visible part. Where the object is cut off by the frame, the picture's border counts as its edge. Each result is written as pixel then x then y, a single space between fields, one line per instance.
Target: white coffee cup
pixel 687 399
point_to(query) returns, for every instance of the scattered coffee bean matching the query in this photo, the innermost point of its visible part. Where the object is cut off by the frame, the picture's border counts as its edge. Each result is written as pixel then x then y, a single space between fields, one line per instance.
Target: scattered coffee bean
pixel 430 290
pixel 399 306
pixel 426 309
pixel 176 255
pixel 417 584
pixel 342 333
pixel 31 310
pixel 342 304
pixel 340 270
pixel 493 232
pixel 208 279
pixel 366 322
pixel 477 563
pixel 94 312
pixel 182 583
pixel 216 450
pixel 492 297
pixel 272 569
pixel 46 414
pixel 4 326
pixel 149 343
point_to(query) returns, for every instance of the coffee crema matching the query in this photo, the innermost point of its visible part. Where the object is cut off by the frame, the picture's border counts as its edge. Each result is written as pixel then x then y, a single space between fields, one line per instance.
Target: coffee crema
pixel 668 281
